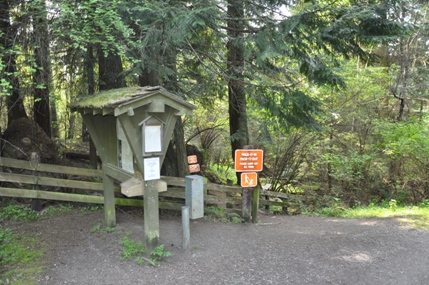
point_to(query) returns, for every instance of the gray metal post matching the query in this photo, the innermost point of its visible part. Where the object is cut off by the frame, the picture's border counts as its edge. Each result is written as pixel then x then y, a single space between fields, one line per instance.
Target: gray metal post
pixel 185 227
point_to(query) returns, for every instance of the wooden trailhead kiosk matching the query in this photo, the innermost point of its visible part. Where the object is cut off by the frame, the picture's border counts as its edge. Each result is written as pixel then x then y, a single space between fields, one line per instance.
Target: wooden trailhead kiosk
pixel 131 129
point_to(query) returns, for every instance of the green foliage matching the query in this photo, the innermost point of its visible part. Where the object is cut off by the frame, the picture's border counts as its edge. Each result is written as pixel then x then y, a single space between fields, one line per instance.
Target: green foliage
pixel 104 229
pixel 351 167
pixel 22 213
pixel 335 210
pixel 295 70
pixel 58 210
pixel 404 139
pixel 131 249
pixel 218 212
pixel 91 208
pixel 158 253
pixel 236 220
pixel 17 256
pixel 285 157
pixel 135 250
pixel 223 174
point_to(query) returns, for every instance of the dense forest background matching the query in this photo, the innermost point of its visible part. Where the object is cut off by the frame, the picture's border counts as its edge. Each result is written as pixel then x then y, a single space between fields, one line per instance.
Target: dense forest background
pixel 334 92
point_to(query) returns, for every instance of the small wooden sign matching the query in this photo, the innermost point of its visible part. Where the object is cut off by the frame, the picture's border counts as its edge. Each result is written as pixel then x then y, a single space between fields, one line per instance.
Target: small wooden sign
pixel 249 179
pixel 132 187
pixel 194 168
pixel 192 159
pixel 248 160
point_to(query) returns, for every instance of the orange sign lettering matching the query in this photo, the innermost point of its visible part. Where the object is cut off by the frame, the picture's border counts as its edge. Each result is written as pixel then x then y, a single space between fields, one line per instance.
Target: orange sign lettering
pixel 248 160
pixel 193 168
pixel 192 159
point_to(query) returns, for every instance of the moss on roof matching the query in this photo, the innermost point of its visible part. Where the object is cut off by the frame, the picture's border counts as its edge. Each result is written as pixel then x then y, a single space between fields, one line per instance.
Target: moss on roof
pixel 114 97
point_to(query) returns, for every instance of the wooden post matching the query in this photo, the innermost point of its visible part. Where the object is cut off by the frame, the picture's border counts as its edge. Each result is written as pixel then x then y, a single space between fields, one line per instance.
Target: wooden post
pixel 247 204
pixel 93 160
pixel 36 204
pixel 255 204
pixel 109 201
pixel 151 215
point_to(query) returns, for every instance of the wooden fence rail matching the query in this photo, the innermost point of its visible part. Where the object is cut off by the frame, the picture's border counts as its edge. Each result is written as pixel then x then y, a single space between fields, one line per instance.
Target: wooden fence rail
pixel 82 185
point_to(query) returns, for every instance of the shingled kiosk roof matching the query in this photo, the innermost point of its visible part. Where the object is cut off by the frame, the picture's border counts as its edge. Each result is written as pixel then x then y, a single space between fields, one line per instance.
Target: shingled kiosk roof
pixel 119 101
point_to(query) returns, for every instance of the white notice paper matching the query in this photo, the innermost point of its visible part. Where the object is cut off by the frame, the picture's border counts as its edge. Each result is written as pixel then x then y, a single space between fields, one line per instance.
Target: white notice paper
pixel 152 139
pixel 151 169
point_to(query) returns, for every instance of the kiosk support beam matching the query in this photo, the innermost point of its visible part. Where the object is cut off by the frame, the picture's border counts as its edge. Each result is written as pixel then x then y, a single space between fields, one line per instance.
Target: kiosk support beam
pixel 151 215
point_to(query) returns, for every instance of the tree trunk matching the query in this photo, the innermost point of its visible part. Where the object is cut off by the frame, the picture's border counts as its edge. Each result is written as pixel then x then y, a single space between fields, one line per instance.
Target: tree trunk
pixel 404 59
pixel 150 78
pixel 54 118
pixel 175 162
pixel 89 72
pixel 42 75
pixel 179 132
pixel 180 149
pixel 110 71
pixel 235 64
pixel 14 101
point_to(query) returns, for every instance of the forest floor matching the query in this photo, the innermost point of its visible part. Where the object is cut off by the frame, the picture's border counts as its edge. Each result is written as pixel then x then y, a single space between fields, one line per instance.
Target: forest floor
pixel 277 250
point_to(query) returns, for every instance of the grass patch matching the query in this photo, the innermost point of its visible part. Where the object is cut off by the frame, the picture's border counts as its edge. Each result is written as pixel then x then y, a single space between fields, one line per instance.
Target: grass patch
pixel 415 216
pixel 26 214
pixel 58 210
pixel 19 259
pixel 135 250
pixel 104 229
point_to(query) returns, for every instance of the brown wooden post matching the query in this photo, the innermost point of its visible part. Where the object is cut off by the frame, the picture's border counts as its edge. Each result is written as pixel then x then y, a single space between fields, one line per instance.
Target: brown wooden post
pixel 109 201
pixel 151 215
pixel 247 204
pixel 36 204
pixel 255 204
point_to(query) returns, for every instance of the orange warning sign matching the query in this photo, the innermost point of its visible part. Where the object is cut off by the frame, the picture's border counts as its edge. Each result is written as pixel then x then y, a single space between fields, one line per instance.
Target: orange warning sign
pixel 249 179
pixel 192 159
pixel 248 160
pixel 193 168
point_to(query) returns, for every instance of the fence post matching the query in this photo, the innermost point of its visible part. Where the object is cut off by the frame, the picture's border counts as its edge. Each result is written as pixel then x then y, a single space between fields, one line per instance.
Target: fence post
pixel 36 204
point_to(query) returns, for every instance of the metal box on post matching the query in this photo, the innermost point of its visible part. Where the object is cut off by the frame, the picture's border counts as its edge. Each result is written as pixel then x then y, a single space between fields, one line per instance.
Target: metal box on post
pixel 194 196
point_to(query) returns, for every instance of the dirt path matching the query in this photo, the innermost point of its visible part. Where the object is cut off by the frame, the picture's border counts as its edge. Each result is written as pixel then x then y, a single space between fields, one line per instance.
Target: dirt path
pixel 279 250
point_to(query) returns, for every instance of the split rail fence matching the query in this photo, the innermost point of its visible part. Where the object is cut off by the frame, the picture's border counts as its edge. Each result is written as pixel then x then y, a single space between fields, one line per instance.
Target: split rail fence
pixel 73 184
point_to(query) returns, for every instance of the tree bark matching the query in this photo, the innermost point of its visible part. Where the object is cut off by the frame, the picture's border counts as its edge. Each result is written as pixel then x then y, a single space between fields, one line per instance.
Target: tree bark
pixel 89 71
pixel 14 101
pixel 236 92
pixel 110 71
pixel 42 75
